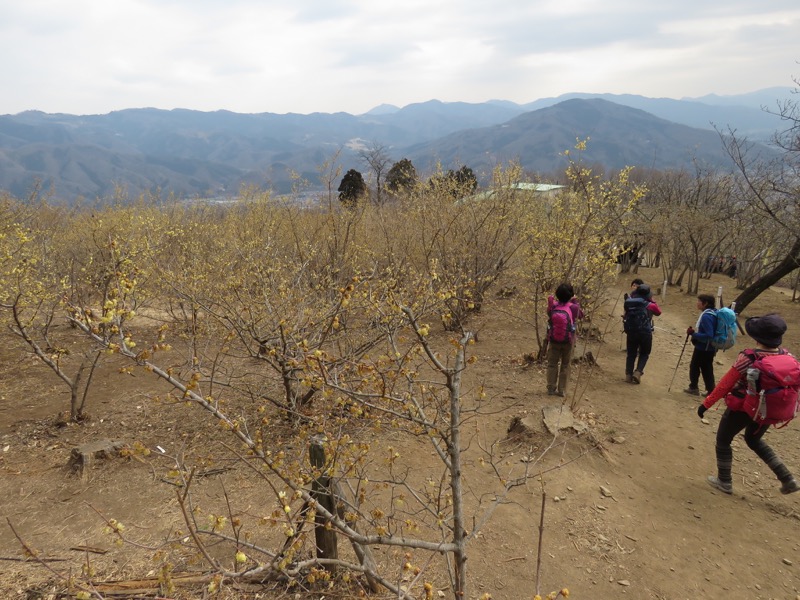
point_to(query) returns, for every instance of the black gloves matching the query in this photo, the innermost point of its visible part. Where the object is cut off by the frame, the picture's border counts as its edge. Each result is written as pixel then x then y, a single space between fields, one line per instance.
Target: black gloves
pixel 701 410
pixel 690 331
pixel 625 296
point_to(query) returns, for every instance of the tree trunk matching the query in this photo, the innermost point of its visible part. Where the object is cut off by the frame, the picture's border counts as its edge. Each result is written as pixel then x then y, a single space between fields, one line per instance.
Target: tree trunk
pixel 454 452
pixel 363 553
pixel 786 266
pixel 324 535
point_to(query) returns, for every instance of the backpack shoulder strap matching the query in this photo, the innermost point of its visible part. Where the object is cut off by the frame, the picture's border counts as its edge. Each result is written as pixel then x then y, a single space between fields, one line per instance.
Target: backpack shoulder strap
pixel 756 354
pixel 751 353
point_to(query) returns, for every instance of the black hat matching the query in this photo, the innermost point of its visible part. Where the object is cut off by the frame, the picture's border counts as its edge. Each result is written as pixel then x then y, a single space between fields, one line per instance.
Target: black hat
pixel 643 291
pixel 767 330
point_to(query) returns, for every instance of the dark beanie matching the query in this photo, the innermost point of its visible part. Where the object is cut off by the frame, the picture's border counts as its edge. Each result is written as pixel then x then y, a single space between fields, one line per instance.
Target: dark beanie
pixel 767 330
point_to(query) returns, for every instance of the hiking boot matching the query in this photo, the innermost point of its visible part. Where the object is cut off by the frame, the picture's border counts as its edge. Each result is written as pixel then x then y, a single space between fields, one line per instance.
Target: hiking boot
pixel 790 487
pixel 628 378
pixel 726 487
pixel 637 376
pixel 692 391
pixel 552 393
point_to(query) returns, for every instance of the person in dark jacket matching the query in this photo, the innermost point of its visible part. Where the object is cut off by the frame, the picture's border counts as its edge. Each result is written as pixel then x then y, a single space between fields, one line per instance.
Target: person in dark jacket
pixel 702 334
pixel 634 284
pixel 767 331
pixel 639 310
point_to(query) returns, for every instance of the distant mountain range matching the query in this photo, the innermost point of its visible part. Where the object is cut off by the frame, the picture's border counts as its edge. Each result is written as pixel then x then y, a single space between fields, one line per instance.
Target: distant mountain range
pixel 211 154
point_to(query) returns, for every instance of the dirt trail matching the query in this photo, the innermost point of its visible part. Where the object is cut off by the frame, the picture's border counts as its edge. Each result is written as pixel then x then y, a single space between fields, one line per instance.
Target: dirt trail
pixel 672 536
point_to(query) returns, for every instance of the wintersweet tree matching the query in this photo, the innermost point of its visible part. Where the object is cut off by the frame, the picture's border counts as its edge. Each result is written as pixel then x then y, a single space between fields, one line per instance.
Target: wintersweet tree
pixel 30 307
pixel 691 218
pixel 572 236
pixel 55 259
pixel 410 385
pixel 465 244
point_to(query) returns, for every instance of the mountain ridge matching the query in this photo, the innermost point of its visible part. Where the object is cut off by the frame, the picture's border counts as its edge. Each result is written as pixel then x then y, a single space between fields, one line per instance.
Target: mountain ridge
pixel 201 154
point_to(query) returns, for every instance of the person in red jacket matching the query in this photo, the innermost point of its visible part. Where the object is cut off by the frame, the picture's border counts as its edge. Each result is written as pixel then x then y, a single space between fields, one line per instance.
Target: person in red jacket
pixel 767 331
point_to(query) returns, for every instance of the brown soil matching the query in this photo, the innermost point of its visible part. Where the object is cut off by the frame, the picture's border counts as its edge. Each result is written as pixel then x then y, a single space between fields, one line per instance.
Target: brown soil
pixel 632 518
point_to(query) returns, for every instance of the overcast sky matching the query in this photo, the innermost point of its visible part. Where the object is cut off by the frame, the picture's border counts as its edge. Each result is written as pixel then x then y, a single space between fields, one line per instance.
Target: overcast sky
pixel 303 56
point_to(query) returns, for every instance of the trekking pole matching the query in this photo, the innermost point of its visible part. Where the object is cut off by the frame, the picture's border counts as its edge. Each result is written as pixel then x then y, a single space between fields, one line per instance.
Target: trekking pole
pixel 679 362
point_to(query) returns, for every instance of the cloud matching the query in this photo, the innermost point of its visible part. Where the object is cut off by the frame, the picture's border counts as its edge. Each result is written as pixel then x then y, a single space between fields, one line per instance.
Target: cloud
pixel 305 56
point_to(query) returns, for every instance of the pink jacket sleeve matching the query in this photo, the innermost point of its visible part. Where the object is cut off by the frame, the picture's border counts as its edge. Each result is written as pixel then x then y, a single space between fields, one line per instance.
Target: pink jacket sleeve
pixel 577 311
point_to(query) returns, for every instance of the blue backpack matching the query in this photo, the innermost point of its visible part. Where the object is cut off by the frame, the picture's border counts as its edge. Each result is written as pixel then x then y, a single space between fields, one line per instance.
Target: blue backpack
pixel 725 329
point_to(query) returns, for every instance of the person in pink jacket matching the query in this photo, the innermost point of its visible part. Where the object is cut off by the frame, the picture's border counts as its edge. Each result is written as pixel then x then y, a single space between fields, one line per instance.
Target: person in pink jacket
pixel 561 337
pixel 767 331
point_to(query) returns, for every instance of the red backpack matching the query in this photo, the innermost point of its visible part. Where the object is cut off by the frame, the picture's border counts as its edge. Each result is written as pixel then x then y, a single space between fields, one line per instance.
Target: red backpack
pixel 560 327
pixel 774 397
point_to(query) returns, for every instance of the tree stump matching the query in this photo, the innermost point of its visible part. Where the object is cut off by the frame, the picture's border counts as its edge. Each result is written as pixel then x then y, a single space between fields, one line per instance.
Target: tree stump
pixel 321 492
pixel 587 358
pixel 523 427
pixel 83 457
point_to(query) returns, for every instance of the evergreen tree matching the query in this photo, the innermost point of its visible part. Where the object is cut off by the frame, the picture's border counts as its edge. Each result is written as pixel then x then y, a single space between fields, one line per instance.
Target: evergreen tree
pixel 352 188
pixel 402 176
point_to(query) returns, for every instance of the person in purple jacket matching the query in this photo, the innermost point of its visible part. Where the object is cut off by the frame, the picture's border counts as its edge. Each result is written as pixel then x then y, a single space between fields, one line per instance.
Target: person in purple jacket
pixel 702 333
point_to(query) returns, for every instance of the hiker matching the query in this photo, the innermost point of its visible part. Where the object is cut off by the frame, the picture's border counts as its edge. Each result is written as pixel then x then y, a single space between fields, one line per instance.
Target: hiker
pixel 731 270
pixel 702 335
pixel 767 331
pixel 637 320
pixel 563 311
pixel 634 284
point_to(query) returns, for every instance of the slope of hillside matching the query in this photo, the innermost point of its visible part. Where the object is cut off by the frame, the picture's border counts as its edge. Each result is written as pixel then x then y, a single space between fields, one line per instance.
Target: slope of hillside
pixel 745 113
pixel 619 136
pixel 633 518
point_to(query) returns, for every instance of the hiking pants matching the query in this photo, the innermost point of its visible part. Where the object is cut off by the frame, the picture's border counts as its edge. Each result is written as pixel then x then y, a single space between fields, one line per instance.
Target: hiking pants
pixel 639 345
pixel 734 421
pixel 558 353
pixel 702 364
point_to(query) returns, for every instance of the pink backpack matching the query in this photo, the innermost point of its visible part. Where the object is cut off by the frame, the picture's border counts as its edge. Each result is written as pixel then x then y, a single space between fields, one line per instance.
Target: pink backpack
pixel 773 399
pixel 560 327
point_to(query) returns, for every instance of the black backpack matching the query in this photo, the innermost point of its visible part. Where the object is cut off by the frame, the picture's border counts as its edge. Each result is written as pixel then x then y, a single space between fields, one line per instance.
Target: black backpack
pixel 637 318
